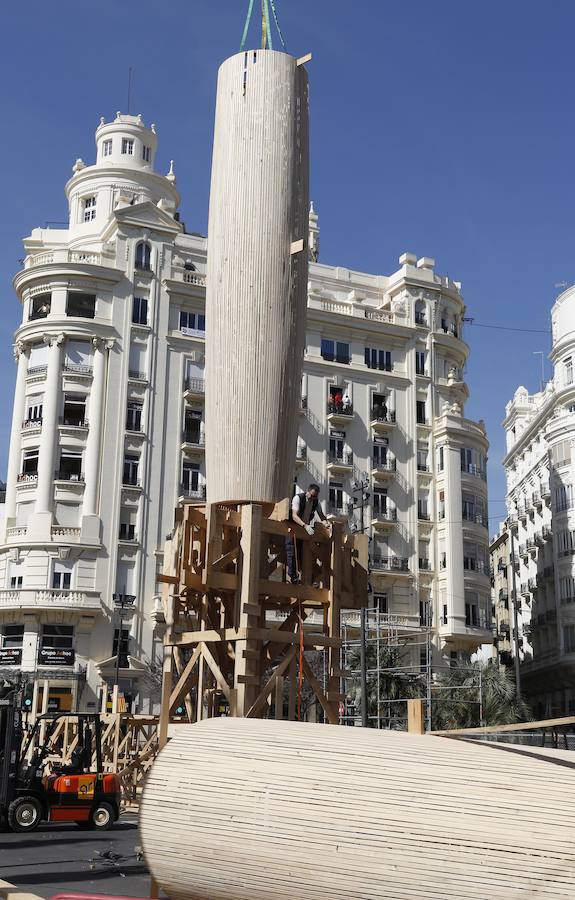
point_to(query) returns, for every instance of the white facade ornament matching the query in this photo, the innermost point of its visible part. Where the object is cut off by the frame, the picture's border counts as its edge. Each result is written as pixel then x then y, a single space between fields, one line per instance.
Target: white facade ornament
pixel 54 339
pixel 399 306
pixel 171 175
pixel 78 166
pixel 20 347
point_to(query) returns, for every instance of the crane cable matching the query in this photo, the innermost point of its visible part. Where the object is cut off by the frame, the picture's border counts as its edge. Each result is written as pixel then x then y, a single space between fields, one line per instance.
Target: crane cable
pixel 267 41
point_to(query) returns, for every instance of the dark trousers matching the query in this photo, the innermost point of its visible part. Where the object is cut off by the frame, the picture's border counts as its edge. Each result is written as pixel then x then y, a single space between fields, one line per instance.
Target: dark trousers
pixel 290 555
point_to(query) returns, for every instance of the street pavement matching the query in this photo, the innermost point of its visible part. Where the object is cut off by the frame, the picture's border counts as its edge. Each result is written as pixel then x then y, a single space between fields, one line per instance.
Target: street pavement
pixel 62 858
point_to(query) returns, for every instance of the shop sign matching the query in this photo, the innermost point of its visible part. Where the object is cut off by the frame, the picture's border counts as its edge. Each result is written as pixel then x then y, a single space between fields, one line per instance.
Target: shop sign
pixel 10 656
pixel 56 656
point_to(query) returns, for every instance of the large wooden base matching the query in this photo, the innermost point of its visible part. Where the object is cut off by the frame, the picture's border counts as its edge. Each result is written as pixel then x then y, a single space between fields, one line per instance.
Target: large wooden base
pixel 238 633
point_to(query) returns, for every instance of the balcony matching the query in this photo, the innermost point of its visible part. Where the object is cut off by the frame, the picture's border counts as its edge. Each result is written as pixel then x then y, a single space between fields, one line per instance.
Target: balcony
pixel 532 584
pixel 389 564
pixel 303 406
pixel 383 470
pixel 521 512
pixel 187 492
pixel 503 597
pixel 547 533
pixel 74 423
pixel 193 440
pixel 523 550
pixel 66 534
pixel 424 564
pixel 545 492
pixel 301 456
pixel 50 599
pixel 127 532
pixel 77 369
pixel 31 426
pixel 475 518
pixel 136 375
pixel 193 278
pixel 337 413
pixel 382 420
pixel 530 544
pixel 65 475
pixel 131 482
pixel 524 590
pixel 472 469
pixel 193 332
pixel 194 388
pixel 338 513
pixel 536 500
pixel 423 469
pixel 50 257
pixel 512 520
pixel 383 518
pixel 340 464
pixel 538 538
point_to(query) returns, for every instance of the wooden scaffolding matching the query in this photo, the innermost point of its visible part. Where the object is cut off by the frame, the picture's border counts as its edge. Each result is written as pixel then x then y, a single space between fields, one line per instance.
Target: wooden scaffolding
pixel 237 630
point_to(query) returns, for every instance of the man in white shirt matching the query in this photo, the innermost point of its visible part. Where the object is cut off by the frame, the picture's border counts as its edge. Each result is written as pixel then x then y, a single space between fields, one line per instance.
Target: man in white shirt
pixel 304 509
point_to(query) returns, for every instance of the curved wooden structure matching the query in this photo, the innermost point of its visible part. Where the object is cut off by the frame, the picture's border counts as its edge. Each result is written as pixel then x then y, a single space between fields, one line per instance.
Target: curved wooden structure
pixel 239 809
pixel 256 277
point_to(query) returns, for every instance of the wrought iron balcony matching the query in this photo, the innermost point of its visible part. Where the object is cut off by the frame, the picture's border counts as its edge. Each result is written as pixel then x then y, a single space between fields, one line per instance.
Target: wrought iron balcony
pixel 389 564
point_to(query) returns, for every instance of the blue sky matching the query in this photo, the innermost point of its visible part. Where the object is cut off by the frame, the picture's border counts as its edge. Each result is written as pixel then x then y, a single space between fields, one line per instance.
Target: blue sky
pixel 445 129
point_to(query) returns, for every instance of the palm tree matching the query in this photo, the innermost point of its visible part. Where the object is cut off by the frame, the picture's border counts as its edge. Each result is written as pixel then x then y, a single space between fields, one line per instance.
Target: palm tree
pixel 390 679
pixel 463 690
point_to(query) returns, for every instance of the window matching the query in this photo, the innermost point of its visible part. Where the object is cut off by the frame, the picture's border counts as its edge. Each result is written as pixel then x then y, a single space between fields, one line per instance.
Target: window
pixel 336 497
pixel 335 351
pixel 380 453
pixel 422 453
pixel 107 148
pixel 12 637
pixel 569 638
pixel 440 459
pixel 140 310
pixel 146 153
pixel 78 357
pixel 16 577
pixel 62 576
pixel 379 603
pixel 191 479
pixel 81 305
pixel 565 543
pixel 40 306
pixel 74 409
pixel 134 415
pixel 473 462
pixel 336 445
pixel 127 524
pixel 377 359
pixel 70 466
pixel 420 315
pixel 128 146
pixel 379 408
pixel 130 474
pixel 34 408
pixel 124 646
pixel 420 362
pixel 143 255
pixel 379 503
pixel 420 412
pixel 192 426
pixel 88 209
pixel 56 645
pixel 137 360
pixel 567 589
pixel 192 322
pixel 563 497
pixel 441 506
pixel 425 613
pixel 474 557
pixel 423 509
pixel 568 370
pixel 30 465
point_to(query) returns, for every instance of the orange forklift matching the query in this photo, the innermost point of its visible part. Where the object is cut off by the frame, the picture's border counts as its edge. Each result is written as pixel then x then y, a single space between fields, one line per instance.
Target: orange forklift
pixel 69 793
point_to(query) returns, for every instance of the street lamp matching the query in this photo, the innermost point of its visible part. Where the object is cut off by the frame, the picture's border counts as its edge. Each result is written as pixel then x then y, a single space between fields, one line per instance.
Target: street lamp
pixel 121 603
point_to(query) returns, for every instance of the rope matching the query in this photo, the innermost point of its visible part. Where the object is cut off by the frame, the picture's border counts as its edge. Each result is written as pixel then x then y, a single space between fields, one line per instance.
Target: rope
pixel 247 24
pixel 268 31
pixel 274 13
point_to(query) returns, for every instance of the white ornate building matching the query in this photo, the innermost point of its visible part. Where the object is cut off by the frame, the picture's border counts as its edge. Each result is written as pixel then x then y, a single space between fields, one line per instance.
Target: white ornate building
pixel 540 470
pixel 108 437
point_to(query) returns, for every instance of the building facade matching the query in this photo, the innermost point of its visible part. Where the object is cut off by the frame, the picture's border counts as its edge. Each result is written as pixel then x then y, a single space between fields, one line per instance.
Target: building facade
pixel 540 471
pixel 501 597
pixel 108 430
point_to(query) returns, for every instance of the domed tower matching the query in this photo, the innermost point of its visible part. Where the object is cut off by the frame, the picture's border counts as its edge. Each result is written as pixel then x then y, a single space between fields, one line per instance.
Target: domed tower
pixel 95 312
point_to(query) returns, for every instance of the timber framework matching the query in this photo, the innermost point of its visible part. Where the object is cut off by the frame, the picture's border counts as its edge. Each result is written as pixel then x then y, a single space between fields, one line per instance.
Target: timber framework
pixel 237 631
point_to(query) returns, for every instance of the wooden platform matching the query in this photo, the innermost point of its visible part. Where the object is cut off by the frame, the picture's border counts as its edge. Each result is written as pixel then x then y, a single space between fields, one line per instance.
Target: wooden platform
pixel 236 628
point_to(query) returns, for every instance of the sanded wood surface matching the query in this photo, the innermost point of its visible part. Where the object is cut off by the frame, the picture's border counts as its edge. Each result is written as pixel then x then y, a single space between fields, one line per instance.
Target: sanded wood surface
pixel 257 278
pixel 251 809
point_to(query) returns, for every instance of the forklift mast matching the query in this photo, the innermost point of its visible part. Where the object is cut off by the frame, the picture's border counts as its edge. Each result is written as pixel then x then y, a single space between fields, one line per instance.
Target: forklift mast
pixel 11 736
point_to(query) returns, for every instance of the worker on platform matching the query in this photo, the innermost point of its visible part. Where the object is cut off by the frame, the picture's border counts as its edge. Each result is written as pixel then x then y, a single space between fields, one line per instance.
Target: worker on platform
pixel 305 509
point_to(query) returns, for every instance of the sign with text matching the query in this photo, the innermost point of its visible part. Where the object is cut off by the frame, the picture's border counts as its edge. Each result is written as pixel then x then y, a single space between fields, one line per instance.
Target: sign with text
pixel 56 656
pixel 10 656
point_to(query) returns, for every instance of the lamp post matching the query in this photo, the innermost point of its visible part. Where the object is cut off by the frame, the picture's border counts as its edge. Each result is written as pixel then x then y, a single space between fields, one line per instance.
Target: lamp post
pixel 360 487
pixel 121 602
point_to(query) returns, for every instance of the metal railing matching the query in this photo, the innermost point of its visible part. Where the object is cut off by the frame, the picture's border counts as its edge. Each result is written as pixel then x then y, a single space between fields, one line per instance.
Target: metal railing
pixel 60 475
pixel 196 385
pixel 139 376
pixel 382 415
pixel 389 563
pixel 198 493
pixel 339 409
pixel 385 515
pixel 388 466
pixel 73 422
pixel 77 368
pixel 346 459
pixel 194 438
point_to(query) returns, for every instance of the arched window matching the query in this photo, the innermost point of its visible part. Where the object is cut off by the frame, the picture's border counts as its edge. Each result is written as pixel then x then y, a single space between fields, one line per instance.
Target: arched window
pixel 143 255
pixel 189 266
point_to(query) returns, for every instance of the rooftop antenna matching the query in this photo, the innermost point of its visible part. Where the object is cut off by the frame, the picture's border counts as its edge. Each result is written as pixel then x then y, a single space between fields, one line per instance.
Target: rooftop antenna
pixel 129 87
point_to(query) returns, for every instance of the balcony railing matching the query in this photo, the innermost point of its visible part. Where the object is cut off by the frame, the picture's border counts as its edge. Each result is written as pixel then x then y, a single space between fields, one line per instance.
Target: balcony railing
pixel 545 492
pixel 195 385
pixel 77 368
pixel 69 476
pixel 339 409
pixel 193 493
pixel 385 515
pixel 389 563
pixel 389 465
pixel 127 532
pixel 547 533
pixel 475 518
pixel 344 358
pixel 73 422
pixel 346 459
pixel 382 415
pixel 131 481
pixel 62 256
pixel 340 511
pixel 301 454
pixel 424 564
pixel 194 438
pixel 423 515
pixel 472 469
pixel 137 375
pixel 194 278
pixel 422 467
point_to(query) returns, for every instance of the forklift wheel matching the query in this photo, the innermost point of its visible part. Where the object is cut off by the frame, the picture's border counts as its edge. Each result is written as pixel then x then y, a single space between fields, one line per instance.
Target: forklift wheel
pixel 24 814
pixel 103 817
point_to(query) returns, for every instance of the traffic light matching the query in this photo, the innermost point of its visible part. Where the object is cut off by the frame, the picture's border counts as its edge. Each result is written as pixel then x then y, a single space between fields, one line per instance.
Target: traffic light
pixel 27 695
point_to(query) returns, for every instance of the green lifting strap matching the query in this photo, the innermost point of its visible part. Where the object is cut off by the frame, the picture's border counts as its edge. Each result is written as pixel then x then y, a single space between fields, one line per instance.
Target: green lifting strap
pixel 266 12
pixel 247 25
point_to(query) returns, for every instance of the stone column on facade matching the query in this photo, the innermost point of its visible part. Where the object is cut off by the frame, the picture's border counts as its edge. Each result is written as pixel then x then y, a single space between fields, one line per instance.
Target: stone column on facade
pixel 454 541
pixel 30 642
pixel 90 518
pixel 42 518
pixel 22 354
